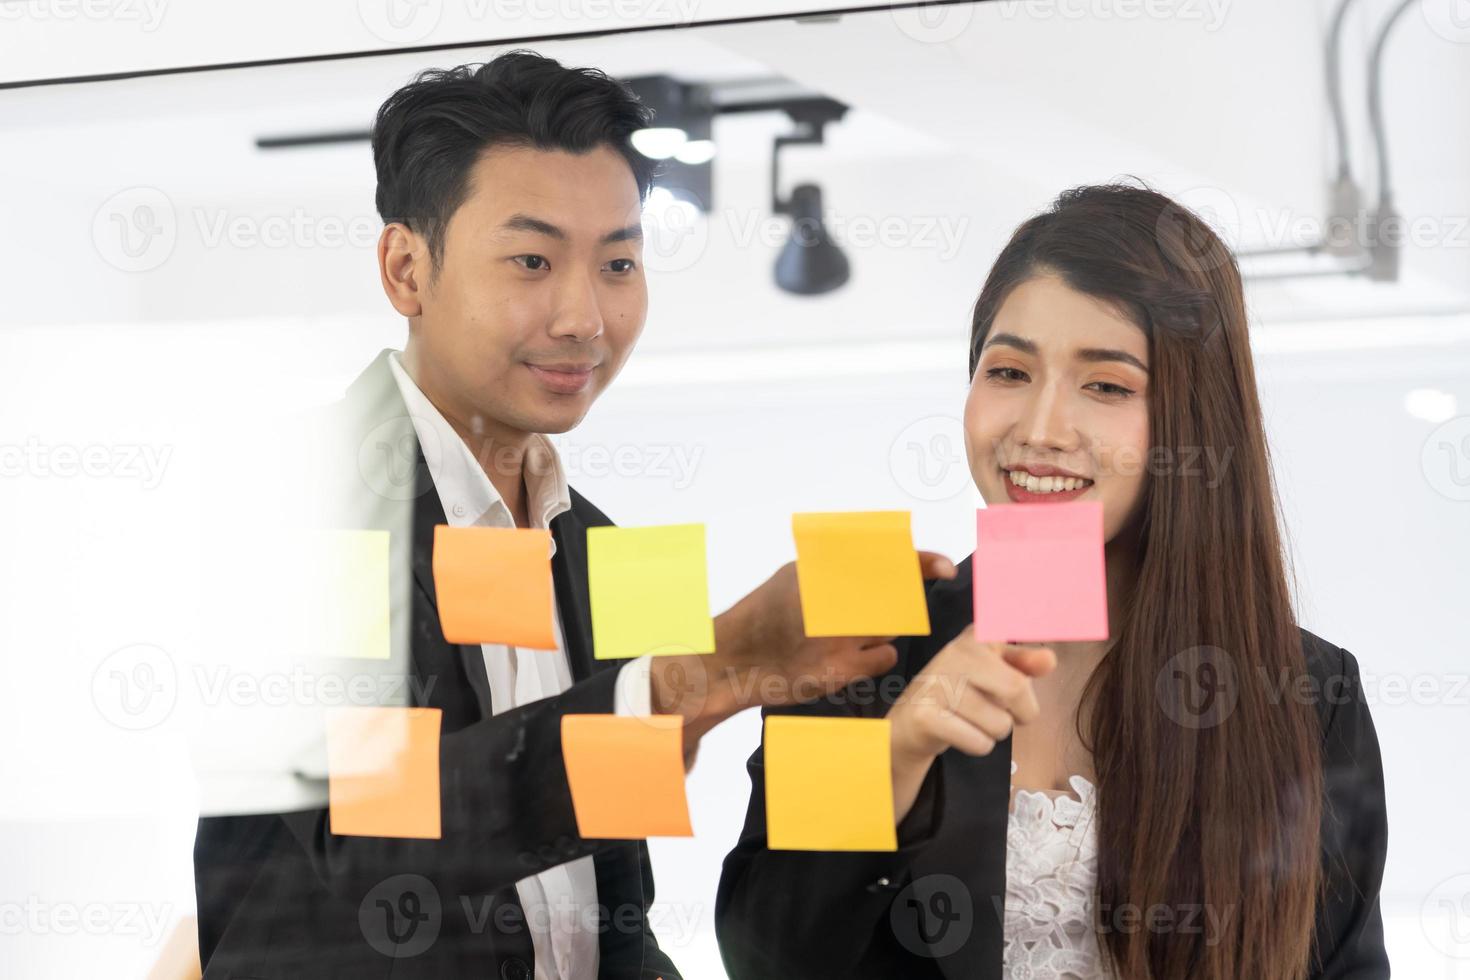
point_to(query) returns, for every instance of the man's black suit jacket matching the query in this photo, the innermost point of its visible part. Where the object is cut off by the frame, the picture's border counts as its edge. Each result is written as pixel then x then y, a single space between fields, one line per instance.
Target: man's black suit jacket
pixel 280 896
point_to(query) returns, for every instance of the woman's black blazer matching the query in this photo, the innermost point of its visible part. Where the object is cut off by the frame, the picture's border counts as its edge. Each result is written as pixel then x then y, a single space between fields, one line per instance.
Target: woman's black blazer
pixel 935 907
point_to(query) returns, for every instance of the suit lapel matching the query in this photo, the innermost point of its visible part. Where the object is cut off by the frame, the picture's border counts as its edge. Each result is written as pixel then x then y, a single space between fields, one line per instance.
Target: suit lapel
pixel 569 575
pixel 969 856
pixel 428 514
pixel 973 850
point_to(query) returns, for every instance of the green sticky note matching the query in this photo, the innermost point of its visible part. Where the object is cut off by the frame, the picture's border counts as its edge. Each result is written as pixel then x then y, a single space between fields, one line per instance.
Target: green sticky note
pixel 650 592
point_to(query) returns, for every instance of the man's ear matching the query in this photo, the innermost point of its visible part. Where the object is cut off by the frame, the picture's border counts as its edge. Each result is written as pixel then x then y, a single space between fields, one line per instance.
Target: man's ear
pixel 403 266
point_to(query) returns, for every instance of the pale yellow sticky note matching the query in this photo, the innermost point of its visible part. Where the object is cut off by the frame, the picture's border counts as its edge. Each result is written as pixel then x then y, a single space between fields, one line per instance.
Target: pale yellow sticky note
pixel 649 591
pixel 383 771
pixel 829 784
pixel 859 574
pixel 343 602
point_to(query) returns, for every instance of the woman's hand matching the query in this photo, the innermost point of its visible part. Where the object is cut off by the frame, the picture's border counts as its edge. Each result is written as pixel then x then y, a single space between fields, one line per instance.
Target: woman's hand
pixel 968 697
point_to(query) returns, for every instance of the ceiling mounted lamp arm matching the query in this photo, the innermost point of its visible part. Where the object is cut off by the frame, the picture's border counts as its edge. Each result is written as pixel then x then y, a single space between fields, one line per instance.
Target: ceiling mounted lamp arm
pixel 809 113
pixel 1343 197
pixel 1383 250
pixel 1372 239
pixel 811 263
pixel 1334 89
pixel 778 206
pixel 1375 100
pixel 299 140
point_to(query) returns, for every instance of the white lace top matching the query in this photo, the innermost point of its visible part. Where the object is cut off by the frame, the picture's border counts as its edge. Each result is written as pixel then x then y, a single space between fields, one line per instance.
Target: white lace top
pixel 1051 871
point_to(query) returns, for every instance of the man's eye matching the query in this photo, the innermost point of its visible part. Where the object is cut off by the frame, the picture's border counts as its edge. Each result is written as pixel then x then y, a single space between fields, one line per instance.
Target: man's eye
pixel 533 262
pixel 621 265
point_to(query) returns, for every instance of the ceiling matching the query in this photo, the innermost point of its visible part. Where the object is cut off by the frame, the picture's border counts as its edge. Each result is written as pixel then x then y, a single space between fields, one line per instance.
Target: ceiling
pixel 985 110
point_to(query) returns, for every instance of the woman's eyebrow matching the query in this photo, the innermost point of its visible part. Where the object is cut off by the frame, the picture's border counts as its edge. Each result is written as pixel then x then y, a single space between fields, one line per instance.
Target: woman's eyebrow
pixel 1010 340
pixel 1091 355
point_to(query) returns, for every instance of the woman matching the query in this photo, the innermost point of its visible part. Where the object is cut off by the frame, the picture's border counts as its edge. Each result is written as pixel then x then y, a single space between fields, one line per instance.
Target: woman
pixel 1199 796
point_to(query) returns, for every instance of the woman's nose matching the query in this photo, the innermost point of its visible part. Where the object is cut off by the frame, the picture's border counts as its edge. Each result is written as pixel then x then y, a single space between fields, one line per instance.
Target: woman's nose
pixel 1047 421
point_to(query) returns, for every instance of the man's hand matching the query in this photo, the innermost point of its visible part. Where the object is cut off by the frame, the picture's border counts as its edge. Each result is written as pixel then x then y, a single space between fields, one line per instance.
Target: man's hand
pixel 764 657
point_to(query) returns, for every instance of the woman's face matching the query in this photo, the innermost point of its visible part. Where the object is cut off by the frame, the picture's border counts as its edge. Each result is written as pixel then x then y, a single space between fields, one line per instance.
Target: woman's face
pixel 1058 406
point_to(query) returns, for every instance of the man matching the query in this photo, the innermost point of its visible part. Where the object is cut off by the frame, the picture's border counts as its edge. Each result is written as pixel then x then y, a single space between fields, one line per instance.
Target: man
pixel 511 197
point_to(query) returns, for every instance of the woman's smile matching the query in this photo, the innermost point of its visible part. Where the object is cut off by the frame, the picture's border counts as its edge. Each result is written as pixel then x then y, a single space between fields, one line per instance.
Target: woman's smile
pixel 1042 484
pixel 1025 487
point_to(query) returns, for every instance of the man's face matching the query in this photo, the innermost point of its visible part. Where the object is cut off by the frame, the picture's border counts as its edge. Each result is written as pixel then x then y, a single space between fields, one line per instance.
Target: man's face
pixel 540 295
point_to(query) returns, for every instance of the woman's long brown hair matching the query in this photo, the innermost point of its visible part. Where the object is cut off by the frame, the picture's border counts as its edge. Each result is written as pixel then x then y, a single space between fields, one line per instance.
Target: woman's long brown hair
pixel 1209 772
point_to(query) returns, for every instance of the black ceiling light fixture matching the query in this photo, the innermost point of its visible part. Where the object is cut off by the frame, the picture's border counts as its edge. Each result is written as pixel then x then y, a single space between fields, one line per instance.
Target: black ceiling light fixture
pixel 681 138
pixel 810 263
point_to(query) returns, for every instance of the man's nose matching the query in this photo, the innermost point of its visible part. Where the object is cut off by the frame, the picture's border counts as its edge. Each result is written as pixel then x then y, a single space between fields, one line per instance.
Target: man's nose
pixel 578 314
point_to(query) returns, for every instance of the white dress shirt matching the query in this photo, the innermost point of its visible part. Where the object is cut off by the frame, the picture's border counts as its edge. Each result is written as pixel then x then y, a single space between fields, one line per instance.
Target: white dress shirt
pixel 559 901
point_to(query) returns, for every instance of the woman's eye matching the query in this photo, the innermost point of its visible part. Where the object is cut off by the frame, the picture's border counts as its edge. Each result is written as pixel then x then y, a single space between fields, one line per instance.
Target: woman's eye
pixel 1006 374
pixel 533 262
pixel 1110 389
pixel 621 265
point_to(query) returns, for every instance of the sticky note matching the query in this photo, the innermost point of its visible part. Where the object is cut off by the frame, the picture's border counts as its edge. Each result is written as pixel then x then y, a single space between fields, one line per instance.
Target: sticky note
pixel 179 957
pixel 626 775
pixel 859 575
pixel 649 591
pixel 1039 573
pixel 383 771
pixel 494 585
pixel 829 784
pixel 341 595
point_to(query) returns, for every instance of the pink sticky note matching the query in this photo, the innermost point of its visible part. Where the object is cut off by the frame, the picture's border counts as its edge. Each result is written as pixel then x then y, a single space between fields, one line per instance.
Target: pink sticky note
pixel 1038 573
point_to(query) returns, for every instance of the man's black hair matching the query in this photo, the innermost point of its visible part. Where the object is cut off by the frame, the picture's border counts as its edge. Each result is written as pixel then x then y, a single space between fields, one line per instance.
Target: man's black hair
pixel 429 134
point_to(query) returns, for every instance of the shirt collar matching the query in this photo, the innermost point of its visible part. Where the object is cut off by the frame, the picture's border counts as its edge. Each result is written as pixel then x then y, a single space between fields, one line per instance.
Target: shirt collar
pixel 465 491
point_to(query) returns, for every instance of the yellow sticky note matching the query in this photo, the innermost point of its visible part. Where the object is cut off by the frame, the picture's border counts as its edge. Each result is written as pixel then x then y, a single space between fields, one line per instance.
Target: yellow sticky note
pixel 383 771
pixel 343 596
pixel 626 775
pixel 493 585
pixel 829 784
pixel 859 574
pixel 649 591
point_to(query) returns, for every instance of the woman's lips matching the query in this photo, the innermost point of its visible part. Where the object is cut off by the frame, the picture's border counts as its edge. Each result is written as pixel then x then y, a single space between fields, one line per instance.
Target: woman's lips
pixel 562 380
pixel 1020 495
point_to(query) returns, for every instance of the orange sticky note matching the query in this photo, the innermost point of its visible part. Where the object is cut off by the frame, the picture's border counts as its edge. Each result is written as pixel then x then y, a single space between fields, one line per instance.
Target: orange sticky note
pixel 383 771
pixel 626 775
pixel 494 585
pixel 859 574
pixel 829 784
pixel 1039 573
